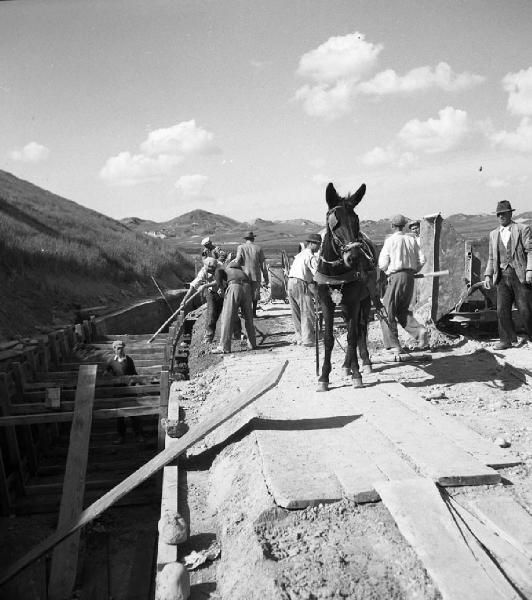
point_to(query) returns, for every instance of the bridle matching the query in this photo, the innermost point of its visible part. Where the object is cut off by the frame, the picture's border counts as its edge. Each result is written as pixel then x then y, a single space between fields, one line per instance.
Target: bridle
pixel 342 248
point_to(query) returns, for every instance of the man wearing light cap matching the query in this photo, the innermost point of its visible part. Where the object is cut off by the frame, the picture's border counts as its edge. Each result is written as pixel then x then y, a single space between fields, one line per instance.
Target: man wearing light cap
pixel 121 365
pixel 400 258
pixel 205 277
pixel 302 290
pixel 209 249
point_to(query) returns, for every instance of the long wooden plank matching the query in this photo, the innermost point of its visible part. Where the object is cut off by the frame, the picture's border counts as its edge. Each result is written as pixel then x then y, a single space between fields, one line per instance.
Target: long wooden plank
pixel 168 553
pixel 64 417
pixel 481 448
pixel 513 563
pixel 508 519
pixel 381 451
pixel 426 523
pixel 101 392
pixel 65 556
pixel 34 408
pixel 269 381
pixel 102 380
pixel 436 456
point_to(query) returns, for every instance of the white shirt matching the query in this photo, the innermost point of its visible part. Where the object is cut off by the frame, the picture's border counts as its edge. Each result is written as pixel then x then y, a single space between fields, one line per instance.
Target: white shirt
pixel 304 265
pixel 400 252
pixel 505 233
pixel 204 276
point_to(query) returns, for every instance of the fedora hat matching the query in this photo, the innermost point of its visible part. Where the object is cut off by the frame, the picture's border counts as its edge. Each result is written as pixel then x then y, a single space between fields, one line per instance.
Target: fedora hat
pixel 504 206
pixel 313 237
pixel 205 241
pixel 249 235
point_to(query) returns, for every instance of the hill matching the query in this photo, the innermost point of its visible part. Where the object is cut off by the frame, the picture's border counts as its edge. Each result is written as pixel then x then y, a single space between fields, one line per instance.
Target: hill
pixel 56 254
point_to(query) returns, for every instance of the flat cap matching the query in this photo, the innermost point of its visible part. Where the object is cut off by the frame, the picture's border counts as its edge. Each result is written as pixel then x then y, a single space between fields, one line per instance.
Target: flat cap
pixel 399 220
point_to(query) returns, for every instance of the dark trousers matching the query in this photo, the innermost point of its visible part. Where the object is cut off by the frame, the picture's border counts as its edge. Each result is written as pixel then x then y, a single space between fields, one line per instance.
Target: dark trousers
pixel 510 290
pixel 396 301
pixel 214 309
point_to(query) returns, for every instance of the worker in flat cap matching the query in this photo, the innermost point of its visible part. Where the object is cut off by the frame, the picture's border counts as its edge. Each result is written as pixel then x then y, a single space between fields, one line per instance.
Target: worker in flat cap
pixel 302 290
pixel 251 258
pixel 213 296
pixel 414 227
pixel 237 295
pixel 121 365
pixel 400 258
pixel 509 267
pixel 210 249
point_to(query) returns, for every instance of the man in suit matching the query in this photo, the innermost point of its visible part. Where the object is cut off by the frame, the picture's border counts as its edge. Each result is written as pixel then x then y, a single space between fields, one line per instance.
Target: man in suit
pixel 510 269
pixel 251 258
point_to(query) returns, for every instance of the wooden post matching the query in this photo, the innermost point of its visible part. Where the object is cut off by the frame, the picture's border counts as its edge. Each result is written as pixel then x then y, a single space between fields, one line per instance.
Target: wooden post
pixel 27 434
pixel 53 398
pixel 163 406
pixel 78 333
pixel 11 435
pixel 45 355
pixel 54 351
pixel 5 502
pixel 150 468
pixel 86 332
pixel 65 556
pixel 94 329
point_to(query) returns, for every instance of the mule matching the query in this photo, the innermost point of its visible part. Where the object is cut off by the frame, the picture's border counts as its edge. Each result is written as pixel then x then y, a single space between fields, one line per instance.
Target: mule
pixel 344 270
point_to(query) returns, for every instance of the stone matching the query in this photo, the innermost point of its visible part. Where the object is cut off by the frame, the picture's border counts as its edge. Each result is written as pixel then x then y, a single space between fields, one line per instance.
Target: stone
pixel 502 442
pixel 173 583
pixel 172 528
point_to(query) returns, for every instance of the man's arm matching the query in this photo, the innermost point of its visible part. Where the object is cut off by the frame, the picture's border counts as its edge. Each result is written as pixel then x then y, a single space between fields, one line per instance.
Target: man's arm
pixel 527 243
pixel 384 256
pixel 264 268
pixel 421 260
pixel 239 258
pixel 131 366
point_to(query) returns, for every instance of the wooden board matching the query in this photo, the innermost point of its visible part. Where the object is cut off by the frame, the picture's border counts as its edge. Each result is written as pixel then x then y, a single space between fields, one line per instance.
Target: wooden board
pixel 65 556
pixel 434 455
pixel 469 440
pixel 35 408
pixel 294 469
pixel 167 553
pixel 426 523
pixel 508 519
pixel 511 562
pixel 269 381
pixel 101 392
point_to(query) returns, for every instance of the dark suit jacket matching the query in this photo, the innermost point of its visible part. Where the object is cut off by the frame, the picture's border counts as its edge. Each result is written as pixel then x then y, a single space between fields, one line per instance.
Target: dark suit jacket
pixel 522 252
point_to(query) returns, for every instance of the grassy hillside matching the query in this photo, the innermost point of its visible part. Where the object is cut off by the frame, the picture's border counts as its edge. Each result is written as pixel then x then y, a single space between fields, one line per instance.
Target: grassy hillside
pixel 56 254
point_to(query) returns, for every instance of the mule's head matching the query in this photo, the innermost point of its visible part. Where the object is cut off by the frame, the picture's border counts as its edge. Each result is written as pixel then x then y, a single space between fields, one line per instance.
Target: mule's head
pixel 343 223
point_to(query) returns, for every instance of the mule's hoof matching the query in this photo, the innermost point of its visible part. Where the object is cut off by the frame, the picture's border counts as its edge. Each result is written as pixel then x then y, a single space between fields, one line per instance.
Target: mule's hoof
pixel 367 369
pixel 357 382
pixel 346 371
pixel 323 386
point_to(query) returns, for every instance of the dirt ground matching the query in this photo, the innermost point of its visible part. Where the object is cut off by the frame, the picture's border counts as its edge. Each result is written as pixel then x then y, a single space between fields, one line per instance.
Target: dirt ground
pixel 338 550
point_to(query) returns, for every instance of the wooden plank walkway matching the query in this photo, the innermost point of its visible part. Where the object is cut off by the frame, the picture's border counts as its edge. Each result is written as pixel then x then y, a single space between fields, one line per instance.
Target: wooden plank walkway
pixel 426 523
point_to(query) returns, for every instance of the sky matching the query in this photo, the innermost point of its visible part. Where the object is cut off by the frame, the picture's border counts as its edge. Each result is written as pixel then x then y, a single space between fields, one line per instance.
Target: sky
pixel 249 108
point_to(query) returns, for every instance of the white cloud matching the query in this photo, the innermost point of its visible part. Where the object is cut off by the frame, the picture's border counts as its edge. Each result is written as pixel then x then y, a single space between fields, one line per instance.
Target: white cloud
pixel 343 57
pixel 191 185
pixel 30 153
pixel 497 182
pixel 184 138
pixel 436 135
pixel 519 140
pixel 317 163
pixel 328 102
pixel 380 156
pixel 128 169
pixel 519 87
pixel 421 78
pixel 320 179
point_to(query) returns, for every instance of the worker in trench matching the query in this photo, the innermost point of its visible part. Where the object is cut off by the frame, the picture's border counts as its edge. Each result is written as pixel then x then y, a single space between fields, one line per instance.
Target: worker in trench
pixel 121 365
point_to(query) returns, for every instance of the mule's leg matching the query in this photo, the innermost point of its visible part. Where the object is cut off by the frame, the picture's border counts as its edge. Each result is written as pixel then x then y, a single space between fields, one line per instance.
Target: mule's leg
pixel 352 303
pixel 346 366
pixel 328 339
pixel 362 341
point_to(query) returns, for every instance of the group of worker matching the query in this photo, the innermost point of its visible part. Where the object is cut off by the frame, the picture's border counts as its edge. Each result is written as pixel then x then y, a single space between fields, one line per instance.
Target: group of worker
pixel 233 285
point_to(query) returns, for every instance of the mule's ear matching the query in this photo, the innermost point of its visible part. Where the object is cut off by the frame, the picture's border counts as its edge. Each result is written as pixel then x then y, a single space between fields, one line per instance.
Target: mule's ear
pixel 331 196
pixel 359 194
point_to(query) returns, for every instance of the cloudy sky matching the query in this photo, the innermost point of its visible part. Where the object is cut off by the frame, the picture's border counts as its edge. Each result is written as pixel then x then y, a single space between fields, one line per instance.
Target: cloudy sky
pixel 248 108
